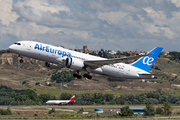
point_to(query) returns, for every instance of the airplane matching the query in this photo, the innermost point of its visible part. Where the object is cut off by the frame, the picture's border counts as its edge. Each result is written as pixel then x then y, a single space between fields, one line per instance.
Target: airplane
pixel 61 102
pixel 59 57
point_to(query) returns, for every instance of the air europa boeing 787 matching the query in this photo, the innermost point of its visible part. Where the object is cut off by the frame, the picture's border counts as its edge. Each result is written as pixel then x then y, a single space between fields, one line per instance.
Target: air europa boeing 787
pixel 58 57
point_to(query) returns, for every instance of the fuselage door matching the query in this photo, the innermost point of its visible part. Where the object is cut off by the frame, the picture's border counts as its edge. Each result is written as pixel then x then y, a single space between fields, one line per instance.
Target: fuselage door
pixel 29 46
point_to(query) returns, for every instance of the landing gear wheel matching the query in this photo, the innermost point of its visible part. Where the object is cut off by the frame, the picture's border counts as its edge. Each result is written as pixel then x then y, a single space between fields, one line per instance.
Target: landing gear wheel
pixel 21 61
pixel 74 75
pixel 77 76
pixel 87 76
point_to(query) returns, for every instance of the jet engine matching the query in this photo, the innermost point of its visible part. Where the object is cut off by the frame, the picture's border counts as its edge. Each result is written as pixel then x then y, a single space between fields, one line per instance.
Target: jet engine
pixel 74 63
pixel 52 65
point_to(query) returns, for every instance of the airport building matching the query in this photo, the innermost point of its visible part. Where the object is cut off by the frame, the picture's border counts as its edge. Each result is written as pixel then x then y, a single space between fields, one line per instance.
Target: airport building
pixel 137 110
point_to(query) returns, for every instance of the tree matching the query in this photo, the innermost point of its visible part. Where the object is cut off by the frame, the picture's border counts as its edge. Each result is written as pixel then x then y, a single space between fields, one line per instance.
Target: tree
pixel 9 111
pixel 81 110
pixel 100 53
pixel 118 53
pixel 167 108
pixel 52 111
pixel 5 112
pixel 65 96
pixel 45 97
pixel 109 97
pixel 126 111
pixel 93 53
pixel 149 110
pixel 105 55
pixel 159 111
pixel 63 76
pixel 126 54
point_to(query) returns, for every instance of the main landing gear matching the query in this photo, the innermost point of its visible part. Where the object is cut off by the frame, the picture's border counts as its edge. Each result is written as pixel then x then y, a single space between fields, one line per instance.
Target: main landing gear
pixel 87 76
pixel 76 74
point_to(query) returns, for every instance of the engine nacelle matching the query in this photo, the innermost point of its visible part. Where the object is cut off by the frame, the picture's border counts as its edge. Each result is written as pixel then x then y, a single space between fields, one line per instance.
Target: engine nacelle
pixel 52 65
pixel 74 63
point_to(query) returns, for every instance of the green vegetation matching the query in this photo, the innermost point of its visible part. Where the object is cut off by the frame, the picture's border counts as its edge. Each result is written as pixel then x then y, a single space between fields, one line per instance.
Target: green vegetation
pixel 63 76
pixel 159 111
pixel 167 108
pixel 4 51
pixel 81 110
pixel 126 111
pixel 5 112
pixel 174 55
pixel 52 111
pixel 8 96
pixel 149 110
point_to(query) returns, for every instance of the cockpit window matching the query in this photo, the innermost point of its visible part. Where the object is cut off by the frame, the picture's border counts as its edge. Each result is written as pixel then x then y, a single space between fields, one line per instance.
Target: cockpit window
pixel 18 43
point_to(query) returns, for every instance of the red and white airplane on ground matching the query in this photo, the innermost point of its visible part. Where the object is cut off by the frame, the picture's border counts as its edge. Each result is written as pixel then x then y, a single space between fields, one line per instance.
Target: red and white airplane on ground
pixel 61 102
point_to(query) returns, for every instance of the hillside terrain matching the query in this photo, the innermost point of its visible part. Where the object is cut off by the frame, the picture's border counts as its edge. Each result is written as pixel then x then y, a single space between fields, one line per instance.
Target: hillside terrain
pixel 33 74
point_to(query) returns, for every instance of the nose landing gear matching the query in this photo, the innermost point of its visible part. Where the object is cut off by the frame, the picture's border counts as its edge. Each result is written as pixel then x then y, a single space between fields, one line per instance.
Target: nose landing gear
pixel 21 60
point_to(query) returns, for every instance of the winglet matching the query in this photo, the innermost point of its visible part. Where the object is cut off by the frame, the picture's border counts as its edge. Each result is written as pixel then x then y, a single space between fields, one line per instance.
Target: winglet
pixel 145 63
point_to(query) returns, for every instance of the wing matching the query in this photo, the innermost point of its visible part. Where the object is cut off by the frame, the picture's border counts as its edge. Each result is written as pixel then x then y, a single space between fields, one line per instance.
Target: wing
pixel 98 63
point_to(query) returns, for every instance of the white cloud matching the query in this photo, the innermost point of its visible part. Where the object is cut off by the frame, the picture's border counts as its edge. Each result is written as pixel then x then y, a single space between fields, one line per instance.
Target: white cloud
pixel 6 14
pixel 118 24
pixel 160 19
pixel 176 2
pixel 112 17
pixel 39 6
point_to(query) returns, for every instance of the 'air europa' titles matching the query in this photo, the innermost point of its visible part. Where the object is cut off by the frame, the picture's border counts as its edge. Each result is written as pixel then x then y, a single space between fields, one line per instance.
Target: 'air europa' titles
pixel 51 50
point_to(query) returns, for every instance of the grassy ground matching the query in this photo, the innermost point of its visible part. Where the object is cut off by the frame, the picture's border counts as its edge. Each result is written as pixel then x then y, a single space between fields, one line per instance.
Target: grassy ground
pixel 68 110
pixel 150 118
pixel 56 91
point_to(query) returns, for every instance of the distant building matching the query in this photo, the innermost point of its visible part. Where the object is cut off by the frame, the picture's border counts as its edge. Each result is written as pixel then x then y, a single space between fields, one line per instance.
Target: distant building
pixel 133 53
pixel 97 110
pixel 85 48
pixel 112 52
pixel 94 51
pixel 137 110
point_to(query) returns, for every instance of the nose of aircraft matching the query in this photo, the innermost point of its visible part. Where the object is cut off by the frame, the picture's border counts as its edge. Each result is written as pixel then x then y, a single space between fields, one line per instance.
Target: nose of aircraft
pixel 10 47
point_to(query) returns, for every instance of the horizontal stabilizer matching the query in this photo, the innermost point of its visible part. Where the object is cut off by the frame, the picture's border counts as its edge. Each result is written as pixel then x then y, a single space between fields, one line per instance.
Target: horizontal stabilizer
pixel 152 74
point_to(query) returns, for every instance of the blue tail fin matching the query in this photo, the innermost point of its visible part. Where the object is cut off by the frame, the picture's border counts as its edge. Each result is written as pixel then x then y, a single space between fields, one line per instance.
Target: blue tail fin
pixel 145 63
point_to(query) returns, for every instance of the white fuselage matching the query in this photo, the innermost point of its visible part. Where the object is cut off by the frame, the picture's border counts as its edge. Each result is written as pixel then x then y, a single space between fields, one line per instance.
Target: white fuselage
pixel 58 55
pixel 56 102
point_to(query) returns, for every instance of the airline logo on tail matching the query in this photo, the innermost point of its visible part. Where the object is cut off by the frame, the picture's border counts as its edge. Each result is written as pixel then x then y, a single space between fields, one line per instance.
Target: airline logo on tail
pixel 72 99
pixel 145 63
pixel 148 60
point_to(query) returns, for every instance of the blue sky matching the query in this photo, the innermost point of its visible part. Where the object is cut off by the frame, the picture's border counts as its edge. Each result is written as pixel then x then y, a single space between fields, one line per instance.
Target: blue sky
pixel 124 25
